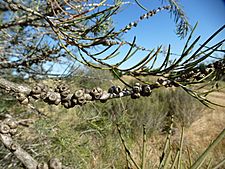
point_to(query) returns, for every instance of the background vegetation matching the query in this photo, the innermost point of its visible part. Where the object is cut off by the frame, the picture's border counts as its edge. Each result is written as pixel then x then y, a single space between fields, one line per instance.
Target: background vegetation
pixel 145 115
pixel 87 136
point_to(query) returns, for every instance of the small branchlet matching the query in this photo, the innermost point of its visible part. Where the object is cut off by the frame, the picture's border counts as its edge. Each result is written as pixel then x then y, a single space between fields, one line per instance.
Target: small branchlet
pixel 8 127
pixel 145 16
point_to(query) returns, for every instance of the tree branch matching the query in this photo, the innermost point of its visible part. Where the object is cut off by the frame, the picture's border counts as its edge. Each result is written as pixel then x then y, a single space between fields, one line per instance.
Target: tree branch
pixel 8 128
pixel 14 87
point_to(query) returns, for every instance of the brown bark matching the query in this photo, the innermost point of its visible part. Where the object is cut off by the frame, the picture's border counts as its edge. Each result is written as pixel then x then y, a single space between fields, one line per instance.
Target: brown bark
pixel 10 86
pixel 28 161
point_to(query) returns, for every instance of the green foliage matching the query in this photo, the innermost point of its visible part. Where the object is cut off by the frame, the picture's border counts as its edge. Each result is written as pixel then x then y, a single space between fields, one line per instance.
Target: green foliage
pixel 90 136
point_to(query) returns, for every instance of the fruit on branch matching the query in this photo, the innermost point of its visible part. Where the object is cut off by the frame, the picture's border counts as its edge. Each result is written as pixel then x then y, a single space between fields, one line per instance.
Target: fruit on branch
pixel 140 90
pixel 62 94
pixel 54 98
pixel 22 98
pixel 8 125
pixel 79 93
pixel 42 165
pixel 81 100
pixel 11 123
pixel 62 88
pixel 96 93
pixel 67 101
pixel 37 89
pixel 54 163
pixel 137 88
pixel 164 82
pixel 25 101
pixel 14 146
pixel 40 89
pixel 13 131
pixel 88 97
pixel 36 96
pixel 215 70
pixel 4 128
pixel 135 95
pixel 146 90
pixel 114 89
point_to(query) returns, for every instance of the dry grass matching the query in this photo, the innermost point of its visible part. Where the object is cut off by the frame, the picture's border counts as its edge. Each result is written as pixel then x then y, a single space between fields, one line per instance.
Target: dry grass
pixel 86 137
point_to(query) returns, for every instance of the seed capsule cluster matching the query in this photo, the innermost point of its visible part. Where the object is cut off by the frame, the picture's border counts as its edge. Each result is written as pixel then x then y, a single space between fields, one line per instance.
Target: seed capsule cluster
pixel 8 126
pixel 140 90
pixel 201 72
pixel 53 163
pixel 217 69
pixel 164 82
pixel 115 89
pixel 62 94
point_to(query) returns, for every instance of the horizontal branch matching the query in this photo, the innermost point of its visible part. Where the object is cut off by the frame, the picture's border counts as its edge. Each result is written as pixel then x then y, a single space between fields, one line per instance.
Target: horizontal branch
pixel 61 94
pixel 13 87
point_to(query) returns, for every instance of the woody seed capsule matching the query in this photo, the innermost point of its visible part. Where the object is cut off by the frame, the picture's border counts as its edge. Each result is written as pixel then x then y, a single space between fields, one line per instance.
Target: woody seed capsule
pixel 54 163
pixel 25 101
pixel 13 131
pixel 4 128
pixel 20 97
pixel 11 123
pixel 36 90
pixel 14 146
pixel 42 165
pixel 79 93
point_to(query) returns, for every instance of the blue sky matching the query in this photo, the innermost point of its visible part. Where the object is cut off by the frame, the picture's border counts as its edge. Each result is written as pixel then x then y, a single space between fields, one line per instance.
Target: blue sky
pixel 160 29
